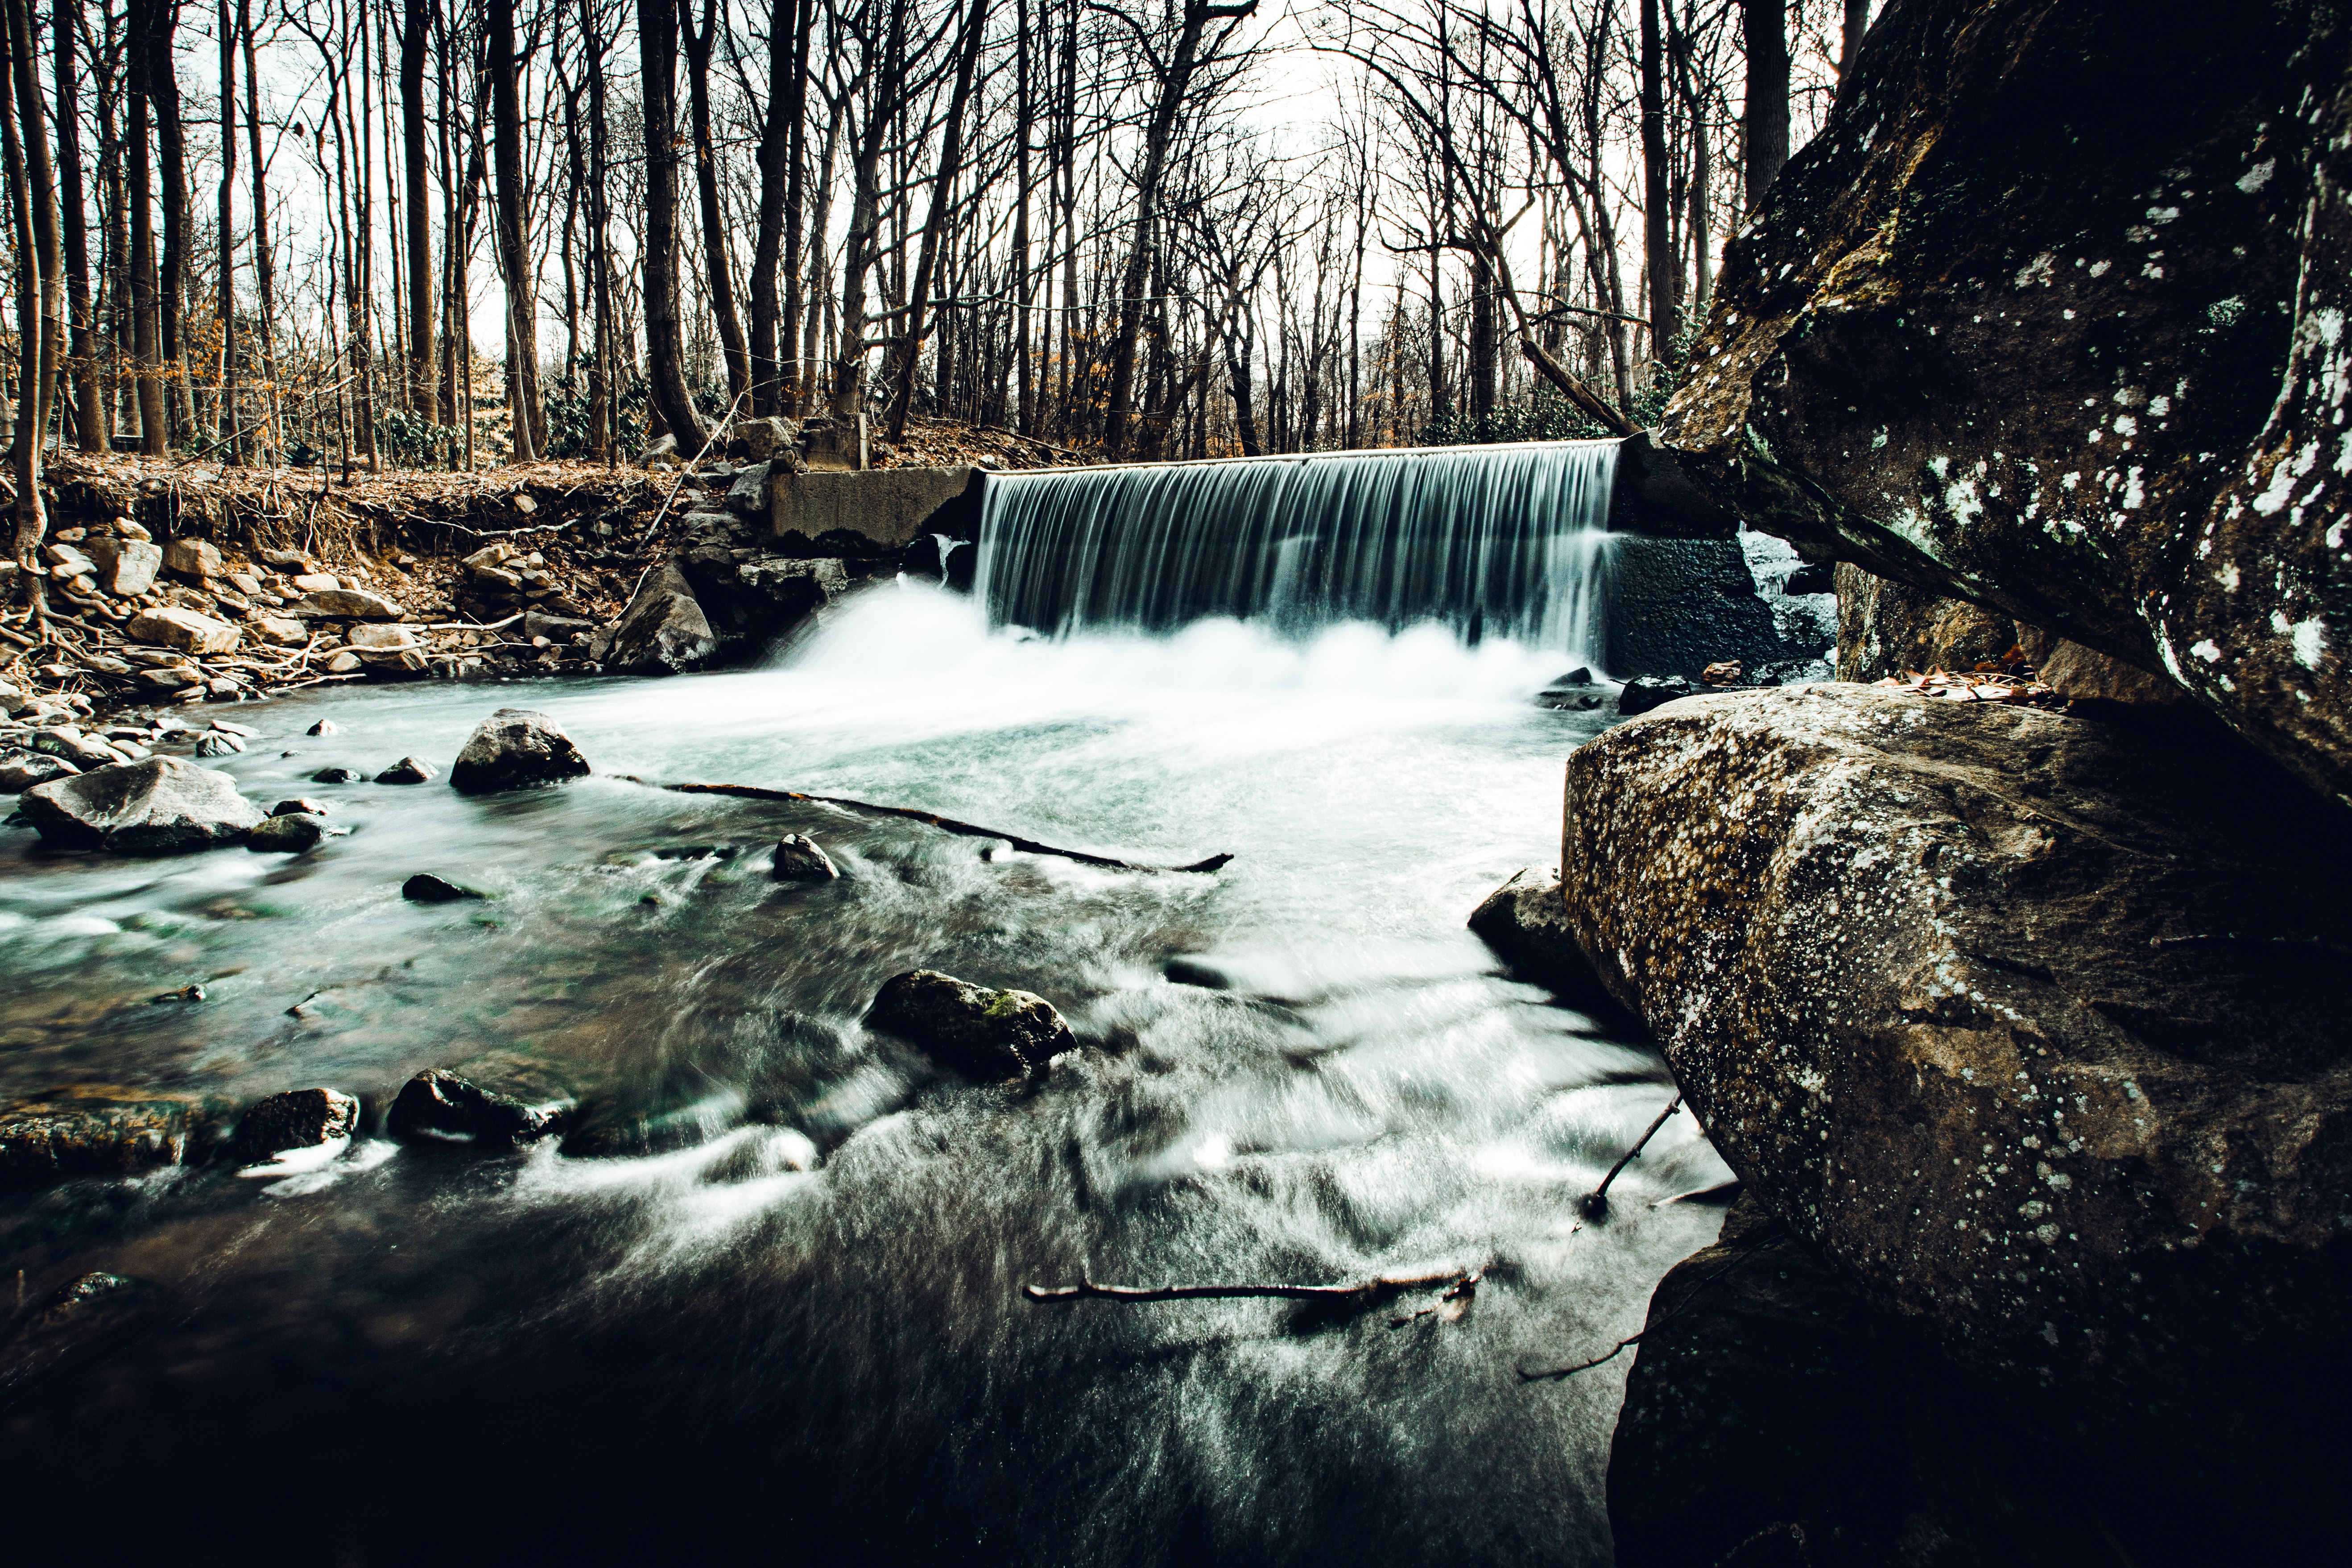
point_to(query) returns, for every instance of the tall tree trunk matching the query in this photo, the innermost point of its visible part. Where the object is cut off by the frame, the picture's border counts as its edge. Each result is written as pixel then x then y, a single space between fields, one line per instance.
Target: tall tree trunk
pixel 1025 386
pixel 172 151
pixel 41 310
pixel 1664 270
pixel 514 234
pixel 603 411
pixel 90 401
pixel 226 435
pixel 146 323
pixel 859 249
pixel 1174 85
pixel 706 178
pixel 417 25
pixel 936 220
pixel 787 102
pixel 665 372
pixel 1764 37
pixel 265 269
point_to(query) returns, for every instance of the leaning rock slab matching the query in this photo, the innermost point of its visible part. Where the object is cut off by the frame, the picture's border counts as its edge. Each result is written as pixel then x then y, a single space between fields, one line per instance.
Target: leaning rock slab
pixel 983 1033
pixel 2038 1028
pixel 512 749
pixel 126 567
pixel 663 630
pixel 159 805
pixel 2086 370
pixel 186 630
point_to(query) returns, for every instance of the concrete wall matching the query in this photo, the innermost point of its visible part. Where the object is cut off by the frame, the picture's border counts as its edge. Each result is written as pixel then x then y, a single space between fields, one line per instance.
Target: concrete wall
pixel 888 507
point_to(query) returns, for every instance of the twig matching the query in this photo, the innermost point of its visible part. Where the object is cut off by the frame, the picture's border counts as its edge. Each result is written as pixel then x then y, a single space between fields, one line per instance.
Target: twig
pixel 1594 1204
pixel 1746 1252
pixel 1380 1285
pixel 945 824
pixel 470 626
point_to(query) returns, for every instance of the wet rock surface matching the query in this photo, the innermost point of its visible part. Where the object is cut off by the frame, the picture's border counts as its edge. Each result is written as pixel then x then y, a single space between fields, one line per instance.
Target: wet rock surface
pixel 1645 693
pixel 2092 392
pixel 1525 922
pixel 439 1107
pixel 407 771
pixel 297 1118
pixel 159 805
pixel 424 887
pixel 512 749
pixel 2031 1025
pixel 93 1130
pixel 800 858
pixel 286 832
pixel 987 1034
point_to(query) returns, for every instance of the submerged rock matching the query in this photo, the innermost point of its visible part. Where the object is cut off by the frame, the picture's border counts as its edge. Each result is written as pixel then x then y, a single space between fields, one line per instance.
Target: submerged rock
pixel 1645 693
pixel 88 1318
pixel 337 775
pixel 424 887
pixel 983 1033
pixel 285 832
pixel 407 771
pixel 297 1118
pixel 159 805
pixel 2036 1027
pixel 1525 922
pixel 438 1107
pixel 800 859
pixel 663 630
pixel 513 748
pixel 325 727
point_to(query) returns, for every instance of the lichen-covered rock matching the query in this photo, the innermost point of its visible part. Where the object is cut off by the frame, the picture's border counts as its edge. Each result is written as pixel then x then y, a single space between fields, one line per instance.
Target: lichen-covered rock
pixel 2050 317
pixel 439 1107
pixel 663 630
pixel 2038 1027
pixel 297 1118
pixel 983 1033
pixel 157 805
pixel 514 747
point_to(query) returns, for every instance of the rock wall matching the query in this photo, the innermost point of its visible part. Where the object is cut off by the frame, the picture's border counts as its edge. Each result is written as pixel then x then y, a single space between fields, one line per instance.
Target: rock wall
pixel 2049 318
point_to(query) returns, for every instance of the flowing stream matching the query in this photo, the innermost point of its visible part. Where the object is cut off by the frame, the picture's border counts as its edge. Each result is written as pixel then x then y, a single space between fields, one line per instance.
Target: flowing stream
pixel 780 1314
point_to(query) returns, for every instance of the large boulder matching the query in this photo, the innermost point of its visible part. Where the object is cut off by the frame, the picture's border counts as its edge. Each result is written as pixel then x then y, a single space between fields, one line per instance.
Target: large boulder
pixel 299 1118
pixel 512 748
pixel 94 1130
pixel 2038 1028
pixel 2049 317
pixel 993 1036
pixel 663 630
pixel 158 806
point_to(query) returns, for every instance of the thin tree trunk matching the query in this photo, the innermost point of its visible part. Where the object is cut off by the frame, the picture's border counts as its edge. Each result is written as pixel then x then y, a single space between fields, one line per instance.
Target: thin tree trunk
pixel 154 432
pixel 1857 22
pixel 225 433
pixel 172 150
pixel 264 264
pixel 89 402
pixel 936 220
pixel 1025 415
pixel 41 308
pixel 421 393
pixel 514 234
pixel 787 101
pixel 1663 272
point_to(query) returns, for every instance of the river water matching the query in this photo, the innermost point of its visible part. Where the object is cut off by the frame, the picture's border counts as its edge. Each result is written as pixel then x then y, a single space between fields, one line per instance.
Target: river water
pixel 783 1317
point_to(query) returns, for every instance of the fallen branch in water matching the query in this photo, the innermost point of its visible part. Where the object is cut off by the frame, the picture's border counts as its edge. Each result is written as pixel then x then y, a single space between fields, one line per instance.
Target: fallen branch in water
pixel 1458 1282
pixel 1594 1204
pixel 945 824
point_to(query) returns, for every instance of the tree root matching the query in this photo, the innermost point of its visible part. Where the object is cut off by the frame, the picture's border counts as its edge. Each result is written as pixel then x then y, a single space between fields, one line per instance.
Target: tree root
pixel 945 824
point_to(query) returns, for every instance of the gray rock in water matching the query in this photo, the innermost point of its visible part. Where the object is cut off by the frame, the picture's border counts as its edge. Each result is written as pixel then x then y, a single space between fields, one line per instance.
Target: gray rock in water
pixel 1525 923
pixel 290 833
pixel 1645 693
pixel 438 1107
pixel 218 744
pixel 67 740
pixel 159 805
pixel 799 860
pixel 325 727
pixel 663 630
pixel 337 775
pixel 308 806
pixel 512 748
pixel 424 887
pixel 984 1034
pixel 297 1119
pixel 21 770
pixel 407 771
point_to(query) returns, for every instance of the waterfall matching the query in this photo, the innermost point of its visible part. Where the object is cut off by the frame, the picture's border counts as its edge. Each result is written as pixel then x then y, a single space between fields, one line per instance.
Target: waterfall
pixel 1491 540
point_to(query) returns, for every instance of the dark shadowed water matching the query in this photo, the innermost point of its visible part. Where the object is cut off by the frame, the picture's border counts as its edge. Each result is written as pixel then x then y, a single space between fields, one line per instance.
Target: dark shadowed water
pixel 792 1327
